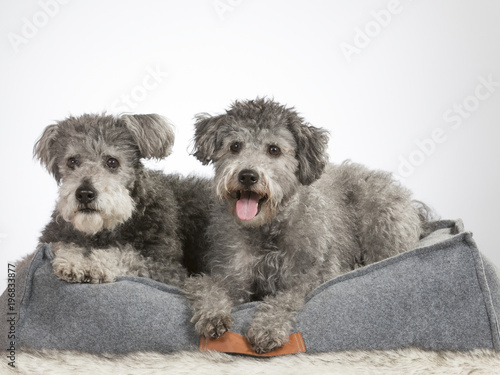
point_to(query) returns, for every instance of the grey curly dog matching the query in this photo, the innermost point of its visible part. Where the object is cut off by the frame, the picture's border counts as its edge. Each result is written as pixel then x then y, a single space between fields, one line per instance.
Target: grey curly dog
pixel 284 220
pixel 114 217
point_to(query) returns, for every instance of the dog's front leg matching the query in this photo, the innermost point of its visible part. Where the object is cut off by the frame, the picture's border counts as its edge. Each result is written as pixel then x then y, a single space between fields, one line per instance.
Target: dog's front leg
pixel 76 264
pixel 115 261
pixel 211 302
pixel 71 263
pixel 273 321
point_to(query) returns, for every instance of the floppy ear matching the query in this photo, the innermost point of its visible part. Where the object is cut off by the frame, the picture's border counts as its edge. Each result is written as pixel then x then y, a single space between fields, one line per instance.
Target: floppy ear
pixel 44 150
pixel 153 133
pixel 205 137
pixel 311 149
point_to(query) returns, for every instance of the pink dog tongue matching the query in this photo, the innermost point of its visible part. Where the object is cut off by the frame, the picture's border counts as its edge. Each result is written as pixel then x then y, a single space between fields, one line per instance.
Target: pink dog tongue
pixel 248 205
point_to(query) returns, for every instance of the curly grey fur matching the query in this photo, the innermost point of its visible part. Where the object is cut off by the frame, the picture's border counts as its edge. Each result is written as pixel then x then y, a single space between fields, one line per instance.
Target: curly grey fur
pixel 137 222
pixel 308 229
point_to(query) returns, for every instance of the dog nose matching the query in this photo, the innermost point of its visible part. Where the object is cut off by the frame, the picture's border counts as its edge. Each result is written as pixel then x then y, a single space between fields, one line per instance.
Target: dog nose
pixel 248 177
pixel 85 194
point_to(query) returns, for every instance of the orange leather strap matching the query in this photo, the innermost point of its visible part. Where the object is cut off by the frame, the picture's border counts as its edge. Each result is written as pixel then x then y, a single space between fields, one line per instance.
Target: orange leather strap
pixel 231 342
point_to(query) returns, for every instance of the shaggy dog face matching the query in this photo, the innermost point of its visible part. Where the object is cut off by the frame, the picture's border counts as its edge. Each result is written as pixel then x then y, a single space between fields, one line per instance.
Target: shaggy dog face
pixel 96 161
pixel 261 152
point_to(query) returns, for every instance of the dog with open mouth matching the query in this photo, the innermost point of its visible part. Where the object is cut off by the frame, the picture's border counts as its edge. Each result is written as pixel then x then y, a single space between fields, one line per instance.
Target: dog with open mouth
pixel 114 217
pixel 284 220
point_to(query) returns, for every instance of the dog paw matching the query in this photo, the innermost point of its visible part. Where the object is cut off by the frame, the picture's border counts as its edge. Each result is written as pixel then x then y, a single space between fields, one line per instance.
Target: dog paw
pixel 70 272
pixel 81 273
pixel 71 264
pixel 99 276
pixel 215 326
pixel 266 340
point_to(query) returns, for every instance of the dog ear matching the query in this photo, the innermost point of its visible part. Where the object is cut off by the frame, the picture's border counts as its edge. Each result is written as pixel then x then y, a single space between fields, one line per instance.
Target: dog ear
pixel 153 133
pixel 205 137
pixel 311 149
pixel 44 150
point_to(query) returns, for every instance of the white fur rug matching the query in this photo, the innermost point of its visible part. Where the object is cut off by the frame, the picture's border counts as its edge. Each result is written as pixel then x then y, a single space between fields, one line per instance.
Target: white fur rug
pixel 404 361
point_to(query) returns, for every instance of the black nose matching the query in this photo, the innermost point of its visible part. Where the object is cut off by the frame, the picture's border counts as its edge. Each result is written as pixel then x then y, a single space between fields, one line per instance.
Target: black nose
pixel 85 194
pixel 248 177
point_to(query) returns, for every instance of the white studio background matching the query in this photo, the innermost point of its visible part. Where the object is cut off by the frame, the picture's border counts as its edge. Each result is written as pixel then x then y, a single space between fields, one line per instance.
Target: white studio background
pixel 412 87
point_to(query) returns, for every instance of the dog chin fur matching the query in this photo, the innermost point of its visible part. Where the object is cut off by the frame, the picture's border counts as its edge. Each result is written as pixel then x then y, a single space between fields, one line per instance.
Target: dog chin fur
pixel 107 216
pixel 89 223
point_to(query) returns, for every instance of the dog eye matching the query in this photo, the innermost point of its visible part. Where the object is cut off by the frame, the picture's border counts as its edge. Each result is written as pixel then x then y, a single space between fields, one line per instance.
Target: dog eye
pixel 112 163
pixel 274 150
pixel 72 163
pixel 235 147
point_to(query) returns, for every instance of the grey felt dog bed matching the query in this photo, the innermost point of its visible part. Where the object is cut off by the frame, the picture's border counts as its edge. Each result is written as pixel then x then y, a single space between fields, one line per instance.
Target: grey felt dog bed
pixel 442 295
